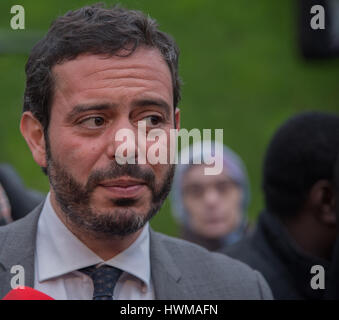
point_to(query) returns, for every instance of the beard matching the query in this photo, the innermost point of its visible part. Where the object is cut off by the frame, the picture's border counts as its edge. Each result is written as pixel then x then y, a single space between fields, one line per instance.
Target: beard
pixel 121 219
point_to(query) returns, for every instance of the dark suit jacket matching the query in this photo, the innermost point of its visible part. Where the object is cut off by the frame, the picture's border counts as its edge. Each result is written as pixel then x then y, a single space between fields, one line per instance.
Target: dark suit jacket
pixel 179 269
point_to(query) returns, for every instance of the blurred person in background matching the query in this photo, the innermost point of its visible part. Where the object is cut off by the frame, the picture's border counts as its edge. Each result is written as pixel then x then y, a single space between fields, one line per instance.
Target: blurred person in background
pixel 332 285
pixel 5 208
pixel 15 199
pixel 298 228
pixel 211 209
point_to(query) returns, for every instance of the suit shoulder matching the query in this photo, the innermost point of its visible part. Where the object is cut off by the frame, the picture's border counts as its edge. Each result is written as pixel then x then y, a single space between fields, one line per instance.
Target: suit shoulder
pixel 21 228
pixel 219 270
pixel 191 250
pixel 4 231
pixel 11 227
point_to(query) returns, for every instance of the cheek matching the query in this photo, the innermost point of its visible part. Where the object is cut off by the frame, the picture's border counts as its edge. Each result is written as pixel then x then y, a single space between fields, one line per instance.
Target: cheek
pixel 76 155
pixel 232 206
pixel 160 172
pixel 160 147
pixel 233 199
pixel 193 208
pixel 159 153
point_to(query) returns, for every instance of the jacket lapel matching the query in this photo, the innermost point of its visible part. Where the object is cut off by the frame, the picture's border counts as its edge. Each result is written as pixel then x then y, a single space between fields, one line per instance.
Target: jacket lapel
pixel 166 276
pixel 18 247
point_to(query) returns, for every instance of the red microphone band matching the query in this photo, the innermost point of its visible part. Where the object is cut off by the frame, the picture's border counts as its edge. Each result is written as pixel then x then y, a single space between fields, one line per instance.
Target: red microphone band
pixel 26 293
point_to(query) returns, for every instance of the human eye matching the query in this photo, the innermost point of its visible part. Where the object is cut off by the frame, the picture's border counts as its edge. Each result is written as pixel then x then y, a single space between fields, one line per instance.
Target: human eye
pixel 224 186
pixel 94 122
pixel 194 191
pixel 153 120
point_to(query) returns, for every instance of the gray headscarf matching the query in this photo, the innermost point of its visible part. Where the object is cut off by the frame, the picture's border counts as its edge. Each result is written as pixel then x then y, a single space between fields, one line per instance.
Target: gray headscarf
pixel 236 170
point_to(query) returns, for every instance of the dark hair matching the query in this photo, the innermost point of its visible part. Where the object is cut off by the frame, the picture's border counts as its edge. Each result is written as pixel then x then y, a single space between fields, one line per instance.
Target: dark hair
pixel 97 30
pixel 302 152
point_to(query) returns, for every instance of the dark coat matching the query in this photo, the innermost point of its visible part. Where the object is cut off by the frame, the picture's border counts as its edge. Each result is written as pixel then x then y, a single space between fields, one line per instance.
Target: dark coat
pixel 287 269
pixel 332 289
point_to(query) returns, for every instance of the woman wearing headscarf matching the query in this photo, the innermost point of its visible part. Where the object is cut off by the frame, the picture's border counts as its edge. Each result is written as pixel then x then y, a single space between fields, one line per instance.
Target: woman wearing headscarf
pixel 211 209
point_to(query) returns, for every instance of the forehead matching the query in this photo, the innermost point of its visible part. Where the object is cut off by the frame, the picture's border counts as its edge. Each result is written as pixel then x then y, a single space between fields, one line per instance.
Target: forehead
pixel 196 175
pixel 144 68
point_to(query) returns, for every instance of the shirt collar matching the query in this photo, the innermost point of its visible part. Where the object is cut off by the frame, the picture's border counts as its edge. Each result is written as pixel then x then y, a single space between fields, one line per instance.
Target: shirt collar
pixel 59 251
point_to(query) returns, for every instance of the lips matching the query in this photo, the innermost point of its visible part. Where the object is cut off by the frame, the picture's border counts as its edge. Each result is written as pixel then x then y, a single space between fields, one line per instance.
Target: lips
pixel 124 187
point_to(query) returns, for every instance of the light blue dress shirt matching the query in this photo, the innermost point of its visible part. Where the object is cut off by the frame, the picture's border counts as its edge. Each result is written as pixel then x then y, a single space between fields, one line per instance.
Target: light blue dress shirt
pixel 59 254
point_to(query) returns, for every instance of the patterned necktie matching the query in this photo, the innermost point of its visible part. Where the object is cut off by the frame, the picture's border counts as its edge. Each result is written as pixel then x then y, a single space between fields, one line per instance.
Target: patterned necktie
pixel 104 280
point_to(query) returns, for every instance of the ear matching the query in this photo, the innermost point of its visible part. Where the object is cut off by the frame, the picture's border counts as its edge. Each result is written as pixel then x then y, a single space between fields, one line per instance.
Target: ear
pixel 177 118
pixel 33 132
pixel 323 200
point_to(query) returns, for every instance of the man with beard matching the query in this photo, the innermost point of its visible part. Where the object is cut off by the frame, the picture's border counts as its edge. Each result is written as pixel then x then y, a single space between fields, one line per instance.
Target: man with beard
pixel 95 72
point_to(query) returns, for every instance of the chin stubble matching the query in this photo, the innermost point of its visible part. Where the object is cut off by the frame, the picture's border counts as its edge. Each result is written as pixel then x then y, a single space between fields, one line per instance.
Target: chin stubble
pixel 74 199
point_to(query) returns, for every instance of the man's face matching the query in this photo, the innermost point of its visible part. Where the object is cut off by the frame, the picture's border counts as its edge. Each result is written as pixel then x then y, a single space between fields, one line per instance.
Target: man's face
pixel 94 97
pixel 213 202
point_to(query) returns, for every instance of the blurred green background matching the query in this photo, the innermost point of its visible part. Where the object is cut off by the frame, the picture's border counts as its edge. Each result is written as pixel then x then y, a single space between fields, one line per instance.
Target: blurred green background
pixel 239 62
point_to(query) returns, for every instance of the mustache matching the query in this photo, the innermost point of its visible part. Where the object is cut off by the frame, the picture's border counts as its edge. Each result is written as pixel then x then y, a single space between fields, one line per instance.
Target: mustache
pixel 116 171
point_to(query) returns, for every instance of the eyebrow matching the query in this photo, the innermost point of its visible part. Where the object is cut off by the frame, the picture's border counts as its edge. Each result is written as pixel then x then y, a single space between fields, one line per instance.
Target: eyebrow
pixel 153 102
pixel 78 109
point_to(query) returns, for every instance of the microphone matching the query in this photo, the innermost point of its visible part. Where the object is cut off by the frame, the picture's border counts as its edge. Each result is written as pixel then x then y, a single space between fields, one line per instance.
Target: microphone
pixel 26 293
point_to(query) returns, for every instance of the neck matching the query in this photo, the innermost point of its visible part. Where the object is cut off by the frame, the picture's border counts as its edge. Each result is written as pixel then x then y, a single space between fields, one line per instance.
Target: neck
pixel 106 247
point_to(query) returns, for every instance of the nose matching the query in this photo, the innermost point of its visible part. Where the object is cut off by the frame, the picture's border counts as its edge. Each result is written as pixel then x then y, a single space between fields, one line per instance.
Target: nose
pixel 211 197
pixel 121 141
